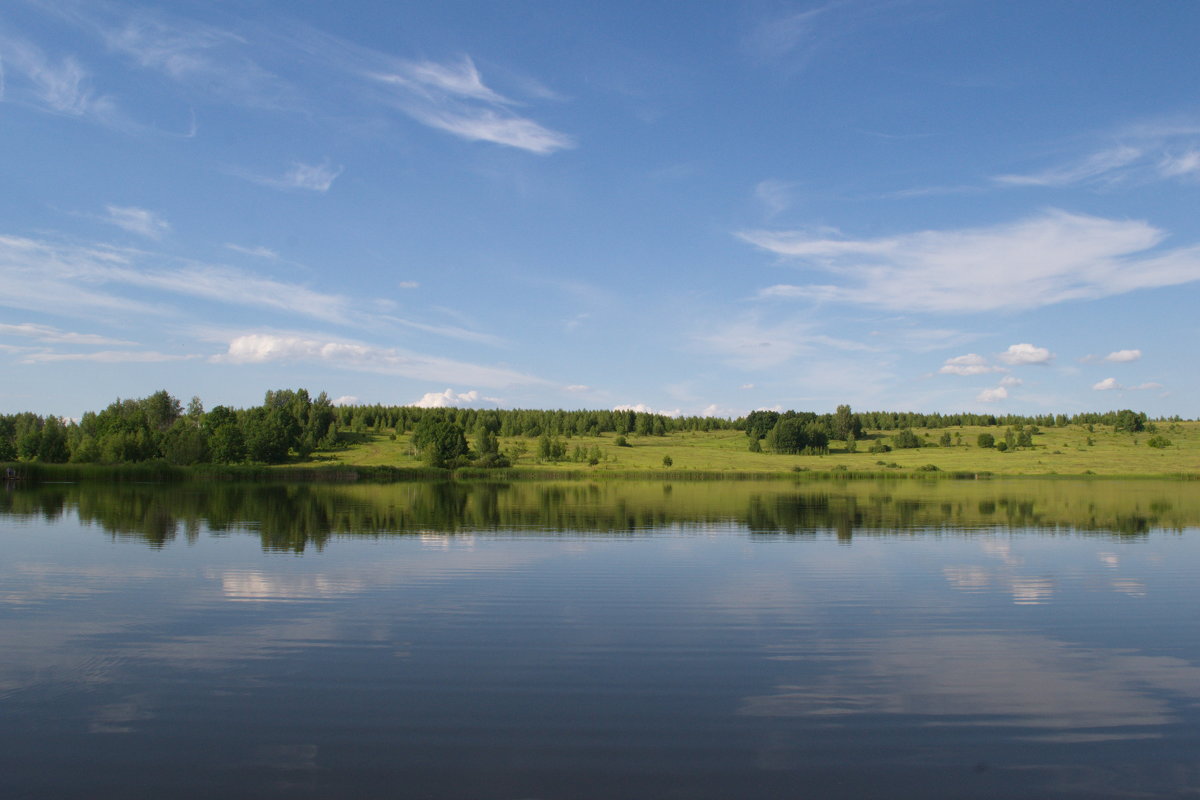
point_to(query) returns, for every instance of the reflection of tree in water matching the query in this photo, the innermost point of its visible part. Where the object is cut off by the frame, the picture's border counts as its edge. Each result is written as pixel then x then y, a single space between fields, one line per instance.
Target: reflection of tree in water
pixel 294 517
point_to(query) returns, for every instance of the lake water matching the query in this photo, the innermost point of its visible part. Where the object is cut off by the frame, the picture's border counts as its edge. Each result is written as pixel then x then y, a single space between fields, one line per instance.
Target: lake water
pixel 898 639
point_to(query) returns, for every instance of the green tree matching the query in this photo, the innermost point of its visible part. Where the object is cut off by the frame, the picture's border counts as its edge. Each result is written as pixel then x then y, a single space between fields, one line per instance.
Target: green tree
pixel 440 442
pixel 986 440
pixel 667 461
pixel 906 440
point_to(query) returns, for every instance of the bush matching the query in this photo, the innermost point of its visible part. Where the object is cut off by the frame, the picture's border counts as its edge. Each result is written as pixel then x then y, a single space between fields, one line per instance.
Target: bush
pixel 1159 442
pixel 928 468
pixel 880 447
pixel 622 442
pixel 1001 446
pixel 986 440
pixel 906 440
pixel 667 461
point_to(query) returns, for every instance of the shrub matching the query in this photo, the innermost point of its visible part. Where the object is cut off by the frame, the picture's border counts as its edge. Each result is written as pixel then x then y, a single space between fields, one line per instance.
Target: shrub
pixel 1001 446
pixel 986 440
pixel 1159 442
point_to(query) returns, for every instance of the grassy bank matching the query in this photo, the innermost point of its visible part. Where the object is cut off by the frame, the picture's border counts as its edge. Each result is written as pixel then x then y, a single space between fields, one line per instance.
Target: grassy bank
pixel 1056 451
pixel 717 455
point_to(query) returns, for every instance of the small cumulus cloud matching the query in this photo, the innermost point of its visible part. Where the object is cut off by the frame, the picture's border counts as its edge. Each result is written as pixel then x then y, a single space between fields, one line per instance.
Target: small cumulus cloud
pixel 992 395
pixel 346 400
pixel 137 220
pixel 1011 380
pixel 450 398
pixel 1123 356
pixel 577 388
pixel 642 408
pixel 407 285
pixel 1023 354
pixel 747 386
pixel 969 364
pixel 1111 384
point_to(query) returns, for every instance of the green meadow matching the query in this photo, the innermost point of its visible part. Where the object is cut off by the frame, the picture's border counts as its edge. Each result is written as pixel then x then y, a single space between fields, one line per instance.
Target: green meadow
pixel 1073 450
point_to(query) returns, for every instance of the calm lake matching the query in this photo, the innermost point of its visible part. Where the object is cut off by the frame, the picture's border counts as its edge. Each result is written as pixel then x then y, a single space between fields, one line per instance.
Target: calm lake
pixel 898 639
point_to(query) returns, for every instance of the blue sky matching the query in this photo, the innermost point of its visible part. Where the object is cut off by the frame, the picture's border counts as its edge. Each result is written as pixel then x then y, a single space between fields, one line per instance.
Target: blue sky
pixel 697 208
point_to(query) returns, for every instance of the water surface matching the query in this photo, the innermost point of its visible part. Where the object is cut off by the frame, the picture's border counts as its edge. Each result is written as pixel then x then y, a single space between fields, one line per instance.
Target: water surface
pixel 617 639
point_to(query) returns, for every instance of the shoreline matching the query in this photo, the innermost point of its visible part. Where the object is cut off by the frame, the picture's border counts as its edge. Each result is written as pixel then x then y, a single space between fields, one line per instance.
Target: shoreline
pixel 161 472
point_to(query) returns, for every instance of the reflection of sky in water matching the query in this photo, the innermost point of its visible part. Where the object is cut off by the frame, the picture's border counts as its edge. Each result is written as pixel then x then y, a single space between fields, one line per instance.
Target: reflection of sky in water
pixel 687 651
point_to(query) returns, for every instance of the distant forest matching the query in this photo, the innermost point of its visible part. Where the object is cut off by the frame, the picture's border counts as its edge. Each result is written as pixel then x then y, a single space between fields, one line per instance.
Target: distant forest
pixel 291 424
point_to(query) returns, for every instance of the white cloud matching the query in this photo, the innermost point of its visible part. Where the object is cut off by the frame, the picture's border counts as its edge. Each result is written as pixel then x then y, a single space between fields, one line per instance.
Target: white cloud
pixel 48 276
pixel 577 388
pixel 1011 380
pixel 308 177
pixel 408 285
pixel 775 195
pixel 450 398
pixel 137 220
pixel 750 344
pixel 258 252
pixel 992 395
pixel 260 348
pixel 746 386
pixel 642 408
pixel 61 87
pixel 969 364
pixel 1123 356
pixel 52 335
pixel 1025 353
pixel 108 357
pixel 1051 258
pixel 1176 166
pixel 346 400
pixel 1102 163
pixel 452 97
pixel 1111 384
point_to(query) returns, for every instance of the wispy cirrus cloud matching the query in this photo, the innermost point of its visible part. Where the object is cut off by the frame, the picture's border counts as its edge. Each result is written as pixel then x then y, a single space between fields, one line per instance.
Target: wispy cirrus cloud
pixel 61 85
pixel 257 252
pixel 59 277
pixel 1104 163
pixel 301 176
pixel 51 335
pixel 749 343
pixel 452 97
pixel 109 357
pixel 261 348
pixel 1050 258
pixel 137 220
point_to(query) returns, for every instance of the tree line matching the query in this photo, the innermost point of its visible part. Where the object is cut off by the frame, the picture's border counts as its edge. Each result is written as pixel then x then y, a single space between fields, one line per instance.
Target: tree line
pixel 291 424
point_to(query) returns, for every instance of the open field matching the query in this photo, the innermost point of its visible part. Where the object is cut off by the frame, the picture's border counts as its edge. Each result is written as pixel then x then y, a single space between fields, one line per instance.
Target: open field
pixel 1056 451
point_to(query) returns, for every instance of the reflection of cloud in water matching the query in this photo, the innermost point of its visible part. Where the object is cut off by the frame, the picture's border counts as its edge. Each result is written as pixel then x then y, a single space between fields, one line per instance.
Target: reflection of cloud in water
pixel 967 578
pixel 1000 549
pixel 1132 588
pixel 1109 559
pixel 257 585
pixel 1031 591
pixel 1071 694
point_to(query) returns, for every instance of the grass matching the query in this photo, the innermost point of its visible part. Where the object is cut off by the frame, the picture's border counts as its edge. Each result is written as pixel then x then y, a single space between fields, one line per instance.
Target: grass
pixel 1056 451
